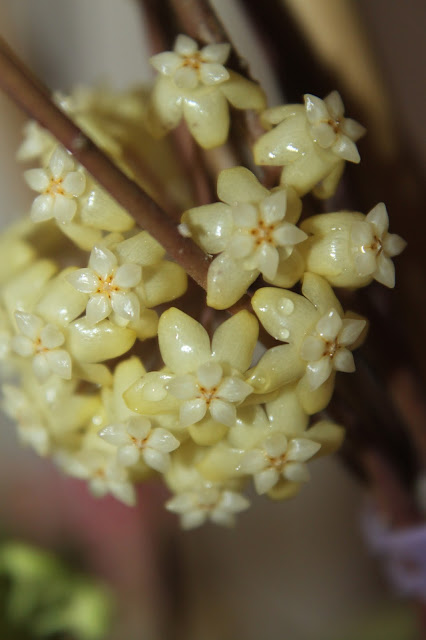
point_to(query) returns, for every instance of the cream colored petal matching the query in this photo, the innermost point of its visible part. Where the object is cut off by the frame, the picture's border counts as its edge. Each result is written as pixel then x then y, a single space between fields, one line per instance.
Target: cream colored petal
pixel 312 348
pixel 245 215
pixel 253 461
pixel 125 304
pixel 275 445
pixel 235 339
pixel 352 129
pixel 210 226
pixel 37 179
pixel 192 411
pixel 233 389
pixel 102 260
pixel 193 519
pixel 239 185
pixel 316 109
pixel 140 249
pixel 128 455
pixel 60 363
pixel 184 343
pixel 243 93
pixel 42 208
pixel 227 281
pixel 301 449
pixel 74 183
pixel 314 400
pixel 223 412
pixel 115 434
pixel 328 434
pixel 100 211
pixel 166 106
pixel 139 427
pixel 361 234
pixel 185 46
pixel 385 272
pixel 63 209
pixel 345 148
pixel 156 459
pixel 350 331
pixel 28 324
pixel 277 367
pixel 99 342
pixel 274 207
pixel 162 283
pixel 207 117
pixel 60 162
pixel 183 387
pixel 267 259
pixel 98 308
pixel 296 472
pixel 344 361
pixel 186 78
pixel 366 263
pixel 209 374
pixel 265 480
pixel 212 73
pixel 393 244
pixel 335 105
pixel 318 372
pixel 216 52
pixel 290 269
pixel 23 346
pixel 240 246
pixel 285 412
pixel 323 134
pixel 378 216
pixel 84 280
pixel 162 440
pixel 329 325
pixel 51 337
pixel 288 234
pixel 166 62
pixel 233 502
pixel 41 367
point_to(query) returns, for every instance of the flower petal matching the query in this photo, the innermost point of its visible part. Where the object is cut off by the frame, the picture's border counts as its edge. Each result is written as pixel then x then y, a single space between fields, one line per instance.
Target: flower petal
pixel 60 363
pixel 274 207
pixel 37 179
pixel 345 148
pixel 238 185
pixel 84 280
pixel 186 78
pixel 344 361
pixel 318 372
pixel 156 459
pixel 313 348
pixel 51 337
pixel 233 389
pixel 275 445
pixel 265 480
pixel 385 272
pixel 296 472
pixel 216 52
pixel 184 343
pixel 393 244
pixel 301 449
pixel 207 117
pixel 329 325
pixel 235 339
pixel 102 260
pixel 192 411
pixel 74 183
pixel 227 281
pixel 350 331
pixel 316 109
pixel 98 308
pixel 28 324
pixel 185 46
pixel 212 73
pixel 183 387
pixel 378 217
pixel 366 263
pixel 162 440
pixel 335 105
pixel 209 374
pixel 42 208
pixel 60 162
pixel 125 304
pixel 223 412
pixel 253 461
pixel 63 209
pixel 166 62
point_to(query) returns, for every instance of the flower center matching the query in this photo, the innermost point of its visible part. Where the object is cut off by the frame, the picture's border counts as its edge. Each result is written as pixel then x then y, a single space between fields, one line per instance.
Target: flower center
pixel 331 348
pixel 334 124
pixel 38 345
pixel 263 233
pixel 139 442
pixel 277 462
pixel 193 62
pixel 208 394
pixel 107 285
pixel 54 187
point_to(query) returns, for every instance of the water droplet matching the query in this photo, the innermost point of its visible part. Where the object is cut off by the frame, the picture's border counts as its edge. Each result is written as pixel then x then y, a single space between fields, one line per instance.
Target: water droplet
pixel 285 306
pixel 284 334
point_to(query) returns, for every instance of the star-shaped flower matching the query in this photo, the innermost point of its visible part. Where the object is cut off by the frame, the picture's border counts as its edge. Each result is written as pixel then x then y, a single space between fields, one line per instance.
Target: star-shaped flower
pixel 330 129
pixel 327 347
pixel 278 456
pixel 254 232
pixel 109 286
pixel 42 342
pixel 373 247
pixel 204 381
pixel 136 437
pixel 195 85
pixel 59 185
pixel 188 66
pixel 32 428
pixel 217 504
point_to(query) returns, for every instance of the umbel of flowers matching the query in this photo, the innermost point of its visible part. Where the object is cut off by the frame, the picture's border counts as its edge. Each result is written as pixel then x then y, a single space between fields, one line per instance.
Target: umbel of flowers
pixel 116 385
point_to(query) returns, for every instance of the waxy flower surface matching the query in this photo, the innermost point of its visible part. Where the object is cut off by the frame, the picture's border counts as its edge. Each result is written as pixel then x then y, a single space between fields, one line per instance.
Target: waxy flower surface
pixel 59 185
pixel 319 338
pixel 137 438
pixel 254 232
pixel 330 129
pixel 195 85
pixel 207 503
pixel 205 381
pixel 42 342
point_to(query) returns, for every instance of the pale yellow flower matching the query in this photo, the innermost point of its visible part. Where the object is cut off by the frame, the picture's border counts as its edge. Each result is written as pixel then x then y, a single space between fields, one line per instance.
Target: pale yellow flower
pixel 195 85
pixel 254 232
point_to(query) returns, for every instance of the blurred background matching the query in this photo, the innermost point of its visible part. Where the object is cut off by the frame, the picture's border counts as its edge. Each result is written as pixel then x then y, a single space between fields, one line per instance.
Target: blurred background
pixel 299 569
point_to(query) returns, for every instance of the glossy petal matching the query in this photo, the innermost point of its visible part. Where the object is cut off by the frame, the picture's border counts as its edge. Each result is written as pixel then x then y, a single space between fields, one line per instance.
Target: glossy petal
pixel 216 52
pixel 318 372
pixel 302 449
pixel 385 272
pixel 63 209
pixel 185 46
pixel 212 73
pixel 98 308
pixel 125 304
pixel 366 263
pixel 344 361
pixel 238 184
pixel 60 162
pixel 166 62
pixel 223 412
pixel 296 472
pixel 233 389
pixel 350 331
pixel 183 387
pixel 102 260
pixel 207 118
pixel 192 411
pixel 275 445
pixel 60 363
pixel 265 480
pixel 209 374
pixel 393 244
pixel 378 217
pixel 84 280
pixel 345 148
pixel 329 325
pixel 316 108
pixel 74 183
pixel 156 459
pixel 227 281
pixel 51 337
pixel 184 343
pixel 28 324
pixel 42 208
pixel 186 78
pixel 313 348
pixel 128 275
pixel 335 105
pixel 37 179
pixel 235 339
pixel 163 440
pixel 274 207
pixel 253 461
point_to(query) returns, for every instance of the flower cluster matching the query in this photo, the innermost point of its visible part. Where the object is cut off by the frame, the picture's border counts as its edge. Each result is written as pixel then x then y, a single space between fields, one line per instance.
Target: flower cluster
pixel 201 405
